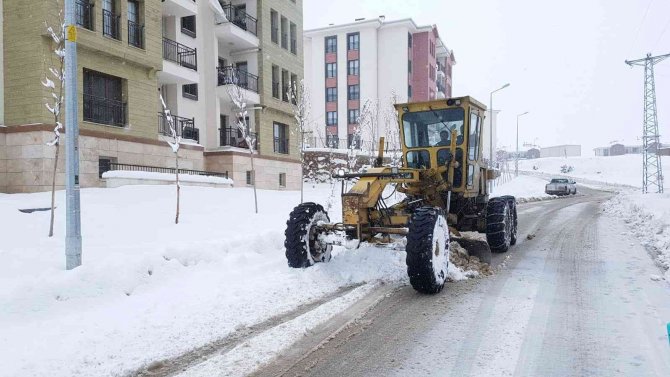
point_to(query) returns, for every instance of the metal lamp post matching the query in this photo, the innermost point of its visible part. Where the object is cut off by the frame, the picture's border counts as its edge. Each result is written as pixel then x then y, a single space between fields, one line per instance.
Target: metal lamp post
pixel 516 160
pixel 72 199
pixel 491 133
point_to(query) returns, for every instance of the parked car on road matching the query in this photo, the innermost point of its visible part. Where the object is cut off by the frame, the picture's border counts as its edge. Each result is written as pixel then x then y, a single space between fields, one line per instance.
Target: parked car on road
pixel 561 186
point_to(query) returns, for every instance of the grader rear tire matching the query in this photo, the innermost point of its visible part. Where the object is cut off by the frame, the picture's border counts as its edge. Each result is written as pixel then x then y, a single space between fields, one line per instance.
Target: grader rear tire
pixel 500 224
pixel 303 247
pixel 427 250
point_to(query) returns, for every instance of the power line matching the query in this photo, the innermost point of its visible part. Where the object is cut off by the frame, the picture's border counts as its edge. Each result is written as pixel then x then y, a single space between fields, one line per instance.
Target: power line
pixel 639 27
pixel 665 28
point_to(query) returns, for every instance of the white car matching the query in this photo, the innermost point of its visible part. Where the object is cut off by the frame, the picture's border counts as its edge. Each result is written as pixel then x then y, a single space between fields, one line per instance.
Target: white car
pixel 561 186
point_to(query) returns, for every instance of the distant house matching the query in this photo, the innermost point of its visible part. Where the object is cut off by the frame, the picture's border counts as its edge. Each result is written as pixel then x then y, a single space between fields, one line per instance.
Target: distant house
pixel 561 151
pixel 617 150
pixel 620 149
pixel 533 153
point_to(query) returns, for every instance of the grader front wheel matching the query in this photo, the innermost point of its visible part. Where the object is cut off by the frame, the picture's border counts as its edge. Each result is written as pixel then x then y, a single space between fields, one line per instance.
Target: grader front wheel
pixel 303 246
pixel 427 250
pixel 501 223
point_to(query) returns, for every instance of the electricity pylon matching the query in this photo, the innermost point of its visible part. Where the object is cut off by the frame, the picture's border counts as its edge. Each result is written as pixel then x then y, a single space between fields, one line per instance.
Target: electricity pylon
pixel 652 171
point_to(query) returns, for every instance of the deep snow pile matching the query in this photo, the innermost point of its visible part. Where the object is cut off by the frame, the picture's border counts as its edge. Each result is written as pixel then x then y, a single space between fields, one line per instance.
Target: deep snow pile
pixel 619 170
pixel 648 219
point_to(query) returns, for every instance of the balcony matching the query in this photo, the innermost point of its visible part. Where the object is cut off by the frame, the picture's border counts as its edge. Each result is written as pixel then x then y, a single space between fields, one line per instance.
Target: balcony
pixel 104 111
pixel 281 145
pixel 239 31
pixel 84 14
pixel 179 8
pixel 232 137
pixel 229 76
pixel 185 127
pixel 180 64
pixel 111 24
pixel 135 34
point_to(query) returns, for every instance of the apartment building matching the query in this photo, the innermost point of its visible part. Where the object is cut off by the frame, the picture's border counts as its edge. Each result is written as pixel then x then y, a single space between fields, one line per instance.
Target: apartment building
pixel 130 51
pixel 377 60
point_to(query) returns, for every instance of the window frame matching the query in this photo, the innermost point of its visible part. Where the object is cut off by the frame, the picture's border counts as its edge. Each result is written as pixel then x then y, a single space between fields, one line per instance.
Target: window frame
pixel 330 48
pixel 334 70
pixel 185 29
pixel 353 67
pixel 355 44
pixel 353 92
pixel 331 120
pixel 331 97
pixel 189 95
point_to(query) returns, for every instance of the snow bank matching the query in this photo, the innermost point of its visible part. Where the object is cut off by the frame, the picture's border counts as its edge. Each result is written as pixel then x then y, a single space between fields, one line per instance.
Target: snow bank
pixel 620 170
pixel 168 177
pixel 648 219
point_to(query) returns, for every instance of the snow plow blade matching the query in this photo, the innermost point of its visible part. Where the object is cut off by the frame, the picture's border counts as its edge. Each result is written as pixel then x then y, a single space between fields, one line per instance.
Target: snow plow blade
pixel 475 248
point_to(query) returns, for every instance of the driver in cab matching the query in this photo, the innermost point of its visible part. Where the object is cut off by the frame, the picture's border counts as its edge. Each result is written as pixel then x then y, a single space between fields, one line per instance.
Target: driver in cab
pixel 445 140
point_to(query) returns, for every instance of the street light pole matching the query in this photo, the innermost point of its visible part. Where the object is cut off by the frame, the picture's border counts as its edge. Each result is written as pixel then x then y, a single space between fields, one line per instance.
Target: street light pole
pixel 72 200
pixel 491 133
pixel 516 160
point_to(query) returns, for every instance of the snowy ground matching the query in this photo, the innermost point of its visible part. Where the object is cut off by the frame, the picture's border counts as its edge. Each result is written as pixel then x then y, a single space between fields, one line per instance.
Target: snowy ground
pixel 149 289
pixel 620 170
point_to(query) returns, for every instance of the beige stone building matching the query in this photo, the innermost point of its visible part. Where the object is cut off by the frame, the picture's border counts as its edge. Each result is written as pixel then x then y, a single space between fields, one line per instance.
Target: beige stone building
pixel 129 51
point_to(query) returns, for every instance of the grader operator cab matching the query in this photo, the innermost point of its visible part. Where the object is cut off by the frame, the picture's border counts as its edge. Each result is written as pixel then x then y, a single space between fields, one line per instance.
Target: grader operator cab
pixel 444 179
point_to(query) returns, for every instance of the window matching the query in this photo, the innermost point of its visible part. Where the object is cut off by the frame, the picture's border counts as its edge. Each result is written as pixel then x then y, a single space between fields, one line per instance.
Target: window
pixel 473 140
pixel 135 29
pixel 353 41
pixel 409 66
pixel 275 81
pixel 281 142
pixel 331 70
pixel 84 13
pixel 354 141
pixel 353 68
pixel 353 116
pixel 285 85
pixel 354 92
pixel 331 94
pixel 331 118
pixel 294 38
pixel 274 26
pixel 409 40
pixel 282 179
pixel 433 128
pixel 103 99
pixel 105 164
pixel 188 26
pixel 110 20
pixel 190 91
pixel 250 177
pixel 331 45
pixel 284 33
pixel 409 91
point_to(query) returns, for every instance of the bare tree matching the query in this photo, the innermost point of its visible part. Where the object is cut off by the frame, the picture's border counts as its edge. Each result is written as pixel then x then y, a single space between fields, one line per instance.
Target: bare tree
pixel 392 130
pixel 55 85
pixel 369 124
pixel 299 99
pixel 175 143
pixel 236 94
pixel 352 154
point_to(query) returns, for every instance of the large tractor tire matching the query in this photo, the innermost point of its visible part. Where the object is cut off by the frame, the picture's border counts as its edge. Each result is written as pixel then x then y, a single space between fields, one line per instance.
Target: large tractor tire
pixel 501 223
pixel 303 247
pixel 427 250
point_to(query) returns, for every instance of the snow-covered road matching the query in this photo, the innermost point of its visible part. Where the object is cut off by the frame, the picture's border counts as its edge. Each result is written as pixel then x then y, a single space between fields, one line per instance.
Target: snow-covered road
pixel 577 299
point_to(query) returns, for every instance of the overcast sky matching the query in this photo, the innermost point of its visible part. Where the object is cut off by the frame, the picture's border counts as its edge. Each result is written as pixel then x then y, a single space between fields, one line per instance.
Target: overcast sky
pixel 563 59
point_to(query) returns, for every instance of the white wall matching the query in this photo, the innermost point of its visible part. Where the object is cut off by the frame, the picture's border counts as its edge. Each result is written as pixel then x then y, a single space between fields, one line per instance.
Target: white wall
pixel 561 151
pixel 2 64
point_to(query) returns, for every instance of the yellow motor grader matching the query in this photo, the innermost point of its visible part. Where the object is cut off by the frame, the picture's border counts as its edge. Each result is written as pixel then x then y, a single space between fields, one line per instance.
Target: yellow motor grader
pixel 444 179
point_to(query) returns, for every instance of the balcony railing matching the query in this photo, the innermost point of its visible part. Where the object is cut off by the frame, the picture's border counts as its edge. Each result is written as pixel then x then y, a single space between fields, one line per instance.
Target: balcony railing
pixel 332 141
pixel 241 19
pixel 135 34
pixel 104 110
pixel 180 54
pixel 234 76
pixel 109 165
pixel 185 127
pixel 232 137
pixel 281 145
pixel 84 12
pixel 111 24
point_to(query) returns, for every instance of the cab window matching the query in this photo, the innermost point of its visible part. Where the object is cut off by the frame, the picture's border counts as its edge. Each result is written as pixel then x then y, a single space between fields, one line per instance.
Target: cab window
pixel 418 160
pixel 433 128
pixel 473 140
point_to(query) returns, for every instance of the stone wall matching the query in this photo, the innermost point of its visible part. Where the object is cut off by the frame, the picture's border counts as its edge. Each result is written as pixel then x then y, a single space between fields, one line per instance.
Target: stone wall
pixel 267 169
pixel 26 162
